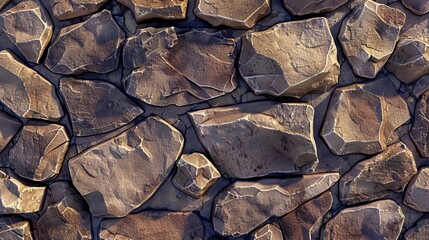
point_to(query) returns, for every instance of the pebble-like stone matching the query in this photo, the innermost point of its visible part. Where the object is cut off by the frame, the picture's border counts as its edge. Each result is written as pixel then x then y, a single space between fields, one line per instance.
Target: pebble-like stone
pixel 417 194
pixel 244 205
pixel 98 41
pixel 9 127
pixel 3 3
pixel 256 139
pixel 152 225
pixel 267 232
pixel 362 117
pixel 67 9
pixel 96 106
pixel 420 130
pixel 374 178
pixel 304 7
pixel 167 77
pixel 13 227
pixel 418 232
pixel 29 27
pixel 165 9
pixel 276 61
pixel 377 220
pixel 235 14
pixel 418 7
pixel 368 37
pixel 26 92
pixel 117 176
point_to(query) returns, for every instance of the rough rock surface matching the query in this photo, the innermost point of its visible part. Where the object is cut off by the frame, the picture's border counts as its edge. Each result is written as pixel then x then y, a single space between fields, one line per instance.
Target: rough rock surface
pixel 267 232
pixel 368 37
pixel 14 228
pixel 66 9
pixel 29 27
pixel 418 232
pixel 275 61
pixel 420 131
pixel 118 175
pixel 305 7
pixel 417 194
pixel 98 41
pixel 96 107
pixel 257 139
pixel 9 127
pixel 264 199
pixel 419 7
pixel 235 14
pixel 164 9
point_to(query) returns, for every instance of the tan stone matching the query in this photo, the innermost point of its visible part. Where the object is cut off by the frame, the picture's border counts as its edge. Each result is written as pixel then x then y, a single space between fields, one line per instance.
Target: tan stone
pixel 14 228
pixel 26 92
pixel 418 232
pixel 420 131
pixel 276 61
pixel 305 7
pixel 244 205
pixel 66 9
pixel 9 127
pixel 3 3
pixel 29 27
pixel 267 232
pixel 259 138
pixel 368 37
pixel 419 7
pixel 164 9
pixel 417 194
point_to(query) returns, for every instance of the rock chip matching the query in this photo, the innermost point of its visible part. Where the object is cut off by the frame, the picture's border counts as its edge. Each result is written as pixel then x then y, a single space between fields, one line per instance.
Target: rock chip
pixel 235 14
pixel 264 199
pixel 418 232
pixel 29 27
pixel 276 61
pixel 3 3
pixel 419 7
pixel 256 139
pixel 417 194
pixel 119 175
pixel 14 228
pixel 96 107
pixel 164 9
pixel 368 37
pixel 66 9
pixel 98 41
pixel 26 92
pixel 153 225
pixel 420 130
pixel 267 232
pixel 377 220
pixel 9 127
pixel 305 7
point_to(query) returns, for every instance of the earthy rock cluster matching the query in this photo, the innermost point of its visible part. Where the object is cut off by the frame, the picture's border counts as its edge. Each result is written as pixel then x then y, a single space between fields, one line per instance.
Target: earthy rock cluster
pixel 214 119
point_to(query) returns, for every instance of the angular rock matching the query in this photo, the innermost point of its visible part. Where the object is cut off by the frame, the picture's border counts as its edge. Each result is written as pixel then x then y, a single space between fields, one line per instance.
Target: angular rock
pixel 26 92
pixel 29 27
pixel 152 225
pixel 267 232
pixel 9 127
pixel 148 9
pixel 417 194
pixel 96 107
pixel 3 3
pixel 379 176
pixel 117 176
pixel 264 199
pixel 234 14
pixel 256 139
pixel 14 228
pixel 361 118
pixel 368 37
pixel 276 61
pixel 419 7
pixel 98 41
pixel 66 9
pixel 39 153
pixel 418 232
pixel 377 220
pixel 304 7
pixel 167 77
pixel 420 130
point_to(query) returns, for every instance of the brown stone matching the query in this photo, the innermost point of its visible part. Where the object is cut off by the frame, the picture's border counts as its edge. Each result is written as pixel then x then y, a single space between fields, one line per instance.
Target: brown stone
pixel 9 127
pixel 418 232
pixel 26 92
pixel 235 14
pixel 14 228
pixel 361 118
pixel 169 77
pixel 244 205
pixel 417 194
pixel 305 7
pixel 419 7
pixel 377 220
pixel 420 131
pixel 117 176
pixel 276 61
pixel 3 3
pixel 96 106
pixel 256 139
pixel 29 27
pixel 66 9
pixel 151 225
pixel 368 37
pixel 98 41
pixel 164 9
pixel 267 232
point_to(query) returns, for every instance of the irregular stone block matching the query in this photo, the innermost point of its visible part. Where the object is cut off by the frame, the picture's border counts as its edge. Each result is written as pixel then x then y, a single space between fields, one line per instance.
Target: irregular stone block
pixel 418 232
pixel 9 127
pixel 420 130
pixel 419 7
pixel 165 9
pixel 305 7
pixel 14 228
pixel 267 232
pixel 66 9
pixel 417 194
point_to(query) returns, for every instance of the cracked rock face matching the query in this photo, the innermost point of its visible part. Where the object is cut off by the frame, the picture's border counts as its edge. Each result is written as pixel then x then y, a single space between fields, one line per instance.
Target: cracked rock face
pixel 368 37
pixel 264 199
pixel 98 41
pixel 164 9
pixel 15 228
pixel 96 107
pixel 9 127
pixel 29 27
pixel 235 14
pixel 418 232
pixel 66 9
pixel 418 7
pixel 417 194
pixel 420 131
pixel 256 139
pixel 106 174
pixel 275 61
pixel 305 7
pixel 267 232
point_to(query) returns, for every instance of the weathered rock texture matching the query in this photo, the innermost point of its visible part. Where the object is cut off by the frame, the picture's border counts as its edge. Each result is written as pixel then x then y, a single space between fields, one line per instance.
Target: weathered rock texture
pixel 418 232
pixel 420 131
pixel 305 7
pixel 418 7
pixel 66 9
pixel 15 228
pixel 9 127
pixel 417 194
pixel 267 232
pixel 165 9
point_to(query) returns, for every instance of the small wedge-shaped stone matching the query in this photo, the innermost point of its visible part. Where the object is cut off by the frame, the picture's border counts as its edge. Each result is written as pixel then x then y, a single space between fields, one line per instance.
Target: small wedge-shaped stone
pixel 66 9
pixel 39 153
pixel 9 127
pixel 96 107
pixel 418 232
pixel 15 196
pixel 304 7
pixel 26 92
pixel 419 7
pixel 257 139
pixel 267 232
pixel 379 176
pixel 362 117
pixel 377 220
pixel 98 41
pixel 14 228
pixel 417 194
pixel 164 9
pixel 167 77
pixel 368 37
pixel 117 176
pixel 153 225
pixel 29 27
pixel 235 14
pixel 244 205
pixel 420 131
pixel 276 61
